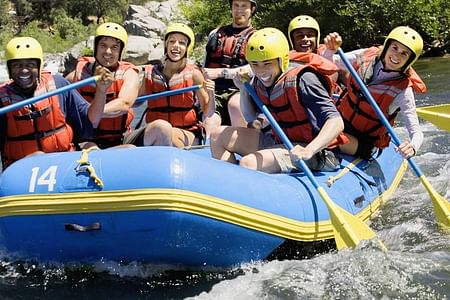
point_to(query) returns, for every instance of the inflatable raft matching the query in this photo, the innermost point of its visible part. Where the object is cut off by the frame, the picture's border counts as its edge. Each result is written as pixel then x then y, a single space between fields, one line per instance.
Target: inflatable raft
pixel 164 205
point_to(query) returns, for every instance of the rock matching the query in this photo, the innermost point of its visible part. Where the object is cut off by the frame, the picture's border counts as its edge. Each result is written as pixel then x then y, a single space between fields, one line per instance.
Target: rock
pixel 145 25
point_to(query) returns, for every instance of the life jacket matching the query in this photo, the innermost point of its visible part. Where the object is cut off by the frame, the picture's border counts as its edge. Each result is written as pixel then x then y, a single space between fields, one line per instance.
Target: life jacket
pixel 357 111
pixel 322 65
pixel 229 49
pixel 36 127
pixel 109 129
pixel 287 108
pixel 179 110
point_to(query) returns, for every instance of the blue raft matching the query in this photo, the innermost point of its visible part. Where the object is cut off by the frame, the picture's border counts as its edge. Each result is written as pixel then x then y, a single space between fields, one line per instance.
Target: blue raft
pixel 164 205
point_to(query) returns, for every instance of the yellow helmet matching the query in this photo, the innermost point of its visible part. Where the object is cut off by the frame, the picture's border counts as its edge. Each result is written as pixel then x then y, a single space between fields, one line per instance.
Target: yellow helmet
pixel 24 48
pixel 303 21
pixel 409 38
pixel 268 43
pixel 183 29
pixel 112 30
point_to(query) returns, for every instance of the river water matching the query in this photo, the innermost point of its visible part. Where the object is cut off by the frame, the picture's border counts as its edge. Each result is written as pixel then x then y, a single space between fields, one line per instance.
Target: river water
pixel 417 265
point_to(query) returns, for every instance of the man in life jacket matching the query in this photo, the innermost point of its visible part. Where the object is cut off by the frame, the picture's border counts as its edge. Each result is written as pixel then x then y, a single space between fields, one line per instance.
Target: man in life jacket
pixel 51 124
pixel 174 120
pixel 297 99
pixel 387 71
pixel 109 45
pixel 225 56
pixel 304 38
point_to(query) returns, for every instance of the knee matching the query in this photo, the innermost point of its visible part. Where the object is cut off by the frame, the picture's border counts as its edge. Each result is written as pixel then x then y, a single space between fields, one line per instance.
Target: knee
pixel 158 127
pixel 249 162
pixel 215 133
pixel 234 103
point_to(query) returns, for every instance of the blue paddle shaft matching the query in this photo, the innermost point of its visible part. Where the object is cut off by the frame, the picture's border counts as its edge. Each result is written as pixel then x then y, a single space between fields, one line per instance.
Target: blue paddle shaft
pixel 57 91
pixel 375 106
pixel 167 93
pixel 280 132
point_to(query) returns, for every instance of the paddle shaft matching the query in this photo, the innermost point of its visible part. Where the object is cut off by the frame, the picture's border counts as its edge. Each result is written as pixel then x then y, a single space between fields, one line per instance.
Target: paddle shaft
pixel 167 93
pixel 377 109
pixel 440 204
pixel 57 91
pixel 348 230
pixel 280 132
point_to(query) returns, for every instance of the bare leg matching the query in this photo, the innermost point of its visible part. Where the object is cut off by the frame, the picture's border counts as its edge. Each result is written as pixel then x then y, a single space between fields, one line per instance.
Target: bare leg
pixel 227 140
pixel 158 133
pixel 262 160
pixel 182 138
pixel 234 110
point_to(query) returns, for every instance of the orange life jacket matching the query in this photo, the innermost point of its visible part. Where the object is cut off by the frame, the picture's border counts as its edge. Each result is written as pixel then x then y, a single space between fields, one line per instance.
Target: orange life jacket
pixel 287 108
pixel 230 48
pixel 179 110
pixel 36 127
pixel 322 65
pixel 357 111
pixel 109 129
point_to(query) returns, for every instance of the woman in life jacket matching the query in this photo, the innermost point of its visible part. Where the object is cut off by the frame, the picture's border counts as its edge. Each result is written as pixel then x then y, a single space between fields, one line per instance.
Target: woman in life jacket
pixel 174 120
pixel 307 115
pixel 387 71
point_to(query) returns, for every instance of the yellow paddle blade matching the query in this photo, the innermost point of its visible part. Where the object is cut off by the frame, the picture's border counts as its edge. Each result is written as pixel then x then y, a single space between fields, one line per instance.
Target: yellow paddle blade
pixel 439 115
pixel 348 229
pixel 440 204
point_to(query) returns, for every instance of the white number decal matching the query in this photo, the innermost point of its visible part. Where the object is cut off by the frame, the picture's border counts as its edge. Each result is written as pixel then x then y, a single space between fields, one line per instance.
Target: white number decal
pixel 47 178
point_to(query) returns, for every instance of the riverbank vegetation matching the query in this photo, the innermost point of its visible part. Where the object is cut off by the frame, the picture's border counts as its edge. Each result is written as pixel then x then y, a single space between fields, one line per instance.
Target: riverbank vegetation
pixel 59 24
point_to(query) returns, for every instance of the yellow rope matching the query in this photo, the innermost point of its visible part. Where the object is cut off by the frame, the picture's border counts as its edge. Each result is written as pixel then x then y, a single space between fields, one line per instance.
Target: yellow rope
pixel 84 162
pixel 332 179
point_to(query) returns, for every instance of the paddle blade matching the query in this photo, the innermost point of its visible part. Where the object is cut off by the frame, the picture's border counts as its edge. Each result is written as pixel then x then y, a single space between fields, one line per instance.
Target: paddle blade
pixel 348 230
pixel 440 204
pixel 439 115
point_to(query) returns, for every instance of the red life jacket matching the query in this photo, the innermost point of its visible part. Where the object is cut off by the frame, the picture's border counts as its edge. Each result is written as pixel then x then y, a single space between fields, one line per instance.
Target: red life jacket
pixel 358 113
pixel 230 48
pixel 287 108
pixel 36 127
pixel 109 129
pixel 322 65
pixel 179 110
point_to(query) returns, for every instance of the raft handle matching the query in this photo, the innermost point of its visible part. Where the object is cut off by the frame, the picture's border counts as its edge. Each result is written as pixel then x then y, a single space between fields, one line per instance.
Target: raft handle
pixel 81 228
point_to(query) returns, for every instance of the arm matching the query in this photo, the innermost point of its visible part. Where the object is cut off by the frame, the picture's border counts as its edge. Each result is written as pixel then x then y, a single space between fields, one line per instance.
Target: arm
pixel 126 97
pixel 406 102
pixel 322 113
pixel 226 73
pixel 203 95
pixel 95 111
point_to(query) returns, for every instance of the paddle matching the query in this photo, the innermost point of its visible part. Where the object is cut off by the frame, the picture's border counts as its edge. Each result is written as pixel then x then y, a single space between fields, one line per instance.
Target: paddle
pixel 168 93
pixel 440 204
pixel 57 91
pixel 348 230
pixel 439 115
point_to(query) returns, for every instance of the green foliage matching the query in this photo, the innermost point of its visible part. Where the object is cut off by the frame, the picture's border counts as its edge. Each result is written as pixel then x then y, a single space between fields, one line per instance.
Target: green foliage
pixel 361 23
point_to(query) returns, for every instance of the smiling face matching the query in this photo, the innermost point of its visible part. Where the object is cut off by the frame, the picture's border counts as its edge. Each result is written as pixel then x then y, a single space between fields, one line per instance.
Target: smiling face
pixel 176 46
pixel 241 10
pixel 24 73
pixel 397 55
pixel 266 71
pixel 108 51
pixel 305 40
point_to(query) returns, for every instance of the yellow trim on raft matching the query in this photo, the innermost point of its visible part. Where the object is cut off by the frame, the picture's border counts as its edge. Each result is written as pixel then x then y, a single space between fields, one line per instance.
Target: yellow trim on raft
pixel 183 201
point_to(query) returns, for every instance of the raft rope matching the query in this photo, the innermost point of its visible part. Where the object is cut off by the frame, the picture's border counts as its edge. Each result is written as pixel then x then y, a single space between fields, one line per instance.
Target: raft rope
pixel 332 179
pixel 85 166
